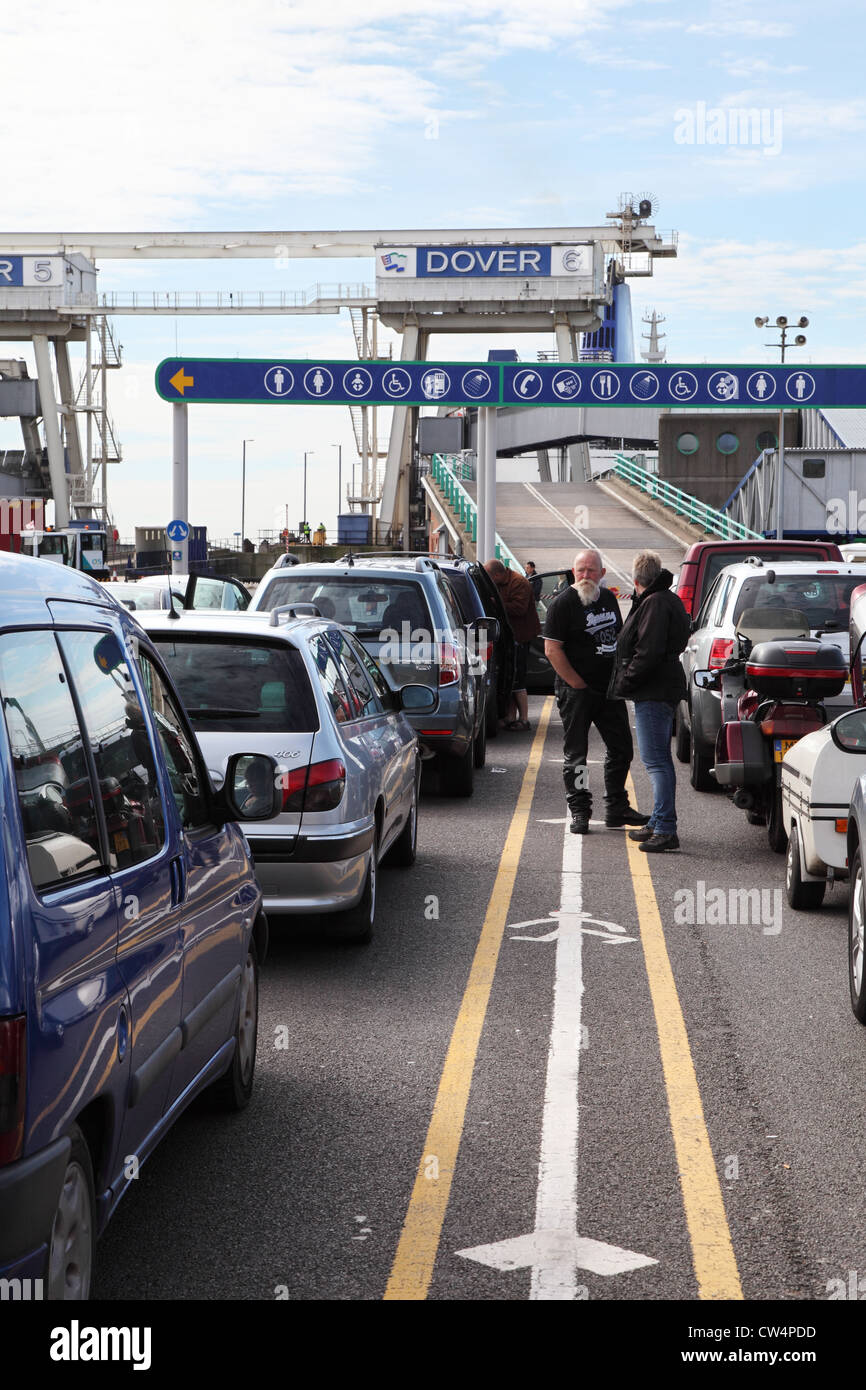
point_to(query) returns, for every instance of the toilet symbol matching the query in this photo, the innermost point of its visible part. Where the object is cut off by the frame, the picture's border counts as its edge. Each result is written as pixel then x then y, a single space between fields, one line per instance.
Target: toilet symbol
pixel 278 381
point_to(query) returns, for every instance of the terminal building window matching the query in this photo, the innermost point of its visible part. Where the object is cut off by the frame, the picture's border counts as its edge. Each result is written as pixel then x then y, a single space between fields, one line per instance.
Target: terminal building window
pixel 727 443
pixel 687 443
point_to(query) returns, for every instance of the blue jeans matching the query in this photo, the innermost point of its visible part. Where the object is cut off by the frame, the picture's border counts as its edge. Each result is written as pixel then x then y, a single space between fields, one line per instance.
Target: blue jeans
pixel 653 721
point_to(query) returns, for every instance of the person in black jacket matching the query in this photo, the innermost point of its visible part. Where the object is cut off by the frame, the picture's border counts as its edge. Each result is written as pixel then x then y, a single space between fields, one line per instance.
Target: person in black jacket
pixel 647 670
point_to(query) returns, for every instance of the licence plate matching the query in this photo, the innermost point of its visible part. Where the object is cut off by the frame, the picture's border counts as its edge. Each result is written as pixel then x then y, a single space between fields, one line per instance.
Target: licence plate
pixel 781 746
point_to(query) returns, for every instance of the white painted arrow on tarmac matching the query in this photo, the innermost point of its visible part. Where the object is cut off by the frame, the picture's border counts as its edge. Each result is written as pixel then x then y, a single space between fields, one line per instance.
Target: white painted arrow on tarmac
pixel 556 1255
pixel 555 1250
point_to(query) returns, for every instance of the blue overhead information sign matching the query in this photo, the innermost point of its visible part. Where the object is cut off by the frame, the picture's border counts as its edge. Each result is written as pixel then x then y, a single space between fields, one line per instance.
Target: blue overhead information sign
pixel 215 380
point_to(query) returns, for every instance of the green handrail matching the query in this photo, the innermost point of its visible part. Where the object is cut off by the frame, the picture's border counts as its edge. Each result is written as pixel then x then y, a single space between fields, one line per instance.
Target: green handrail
pixel 683 503
pixel 442 471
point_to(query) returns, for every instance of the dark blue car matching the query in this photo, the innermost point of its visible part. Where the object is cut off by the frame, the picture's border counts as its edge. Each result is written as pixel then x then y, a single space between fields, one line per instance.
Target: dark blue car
pixel 131 927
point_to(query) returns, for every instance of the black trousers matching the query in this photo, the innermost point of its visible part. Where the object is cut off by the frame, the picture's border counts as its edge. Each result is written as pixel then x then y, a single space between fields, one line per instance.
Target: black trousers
pixel 578 710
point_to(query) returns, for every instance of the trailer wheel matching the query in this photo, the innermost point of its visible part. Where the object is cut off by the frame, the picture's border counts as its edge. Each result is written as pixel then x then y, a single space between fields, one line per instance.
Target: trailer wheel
pixel 801 895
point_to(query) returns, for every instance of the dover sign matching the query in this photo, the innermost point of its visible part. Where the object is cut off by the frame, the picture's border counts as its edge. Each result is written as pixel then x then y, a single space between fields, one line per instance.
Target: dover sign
pixel 489 262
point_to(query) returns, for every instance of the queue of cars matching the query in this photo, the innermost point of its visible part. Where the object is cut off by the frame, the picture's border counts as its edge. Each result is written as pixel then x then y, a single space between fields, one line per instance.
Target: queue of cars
pixel 175 764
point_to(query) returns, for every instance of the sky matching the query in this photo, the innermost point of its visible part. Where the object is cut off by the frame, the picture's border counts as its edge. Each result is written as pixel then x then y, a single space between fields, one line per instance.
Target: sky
pixel 208 115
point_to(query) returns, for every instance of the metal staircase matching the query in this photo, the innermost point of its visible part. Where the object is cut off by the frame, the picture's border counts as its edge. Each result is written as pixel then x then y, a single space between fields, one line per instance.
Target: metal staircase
pixel 102 447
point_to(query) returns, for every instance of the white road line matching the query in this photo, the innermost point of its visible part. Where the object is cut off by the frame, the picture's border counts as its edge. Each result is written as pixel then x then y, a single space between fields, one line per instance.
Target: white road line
pixel 554 1250
pixel 556 1198
pixel 575 531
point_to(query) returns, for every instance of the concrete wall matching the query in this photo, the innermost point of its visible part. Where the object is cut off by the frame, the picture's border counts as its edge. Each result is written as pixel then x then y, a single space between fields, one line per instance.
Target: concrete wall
pixel 708 473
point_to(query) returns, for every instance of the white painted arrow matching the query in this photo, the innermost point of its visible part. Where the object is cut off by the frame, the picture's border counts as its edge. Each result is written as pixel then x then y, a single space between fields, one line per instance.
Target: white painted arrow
pixel 554 1250
pixel 555 1255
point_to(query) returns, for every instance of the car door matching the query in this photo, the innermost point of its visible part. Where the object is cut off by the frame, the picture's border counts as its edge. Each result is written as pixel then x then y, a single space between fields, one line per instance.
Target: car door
pixel 141 851
pixel 375 731
pixel 217 892
pixel 78 1033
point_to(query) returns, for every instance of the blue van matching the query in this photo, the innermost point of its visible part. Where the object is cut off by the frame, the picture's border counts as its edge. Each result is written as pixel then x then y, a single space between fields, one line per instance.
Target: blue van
pixel 131 925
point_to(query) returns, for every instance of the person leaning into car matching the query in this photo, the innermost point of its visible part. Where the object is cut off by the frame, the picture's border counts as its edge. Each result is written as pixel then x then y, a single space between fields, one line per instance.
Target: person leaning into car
pixel 579 642
pixel 647 670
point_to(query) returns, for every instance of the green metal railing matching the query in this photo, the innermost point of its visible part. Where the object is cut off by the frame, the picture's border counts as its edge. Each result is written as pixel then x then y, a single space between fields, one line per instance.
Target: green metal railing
pixel 442 472
pixel 686 506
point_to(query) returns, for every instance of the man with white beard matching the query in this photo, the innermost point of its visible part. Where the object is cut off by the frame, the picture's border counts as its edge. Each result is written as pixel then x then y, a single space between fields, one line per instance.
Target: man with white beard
pixel 580 643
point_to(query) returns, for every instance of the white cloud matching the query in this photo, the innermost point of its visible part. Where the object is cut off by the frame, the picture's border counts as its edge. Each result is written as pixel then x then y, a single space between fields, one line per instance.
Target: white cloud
pixel 742 28
pixel 748 68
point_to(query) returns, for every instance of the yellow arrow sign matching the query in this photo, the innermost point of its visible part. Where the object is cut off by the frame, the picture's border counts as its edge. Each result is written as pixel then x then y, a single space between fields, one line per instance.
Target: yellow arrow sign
pixel 180 380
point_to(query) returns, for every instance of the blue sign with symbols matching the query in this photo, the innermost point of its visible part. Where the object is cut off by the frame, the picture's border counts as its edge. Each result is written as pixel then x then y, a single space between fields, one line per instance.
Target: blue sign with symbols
pixel 177 530
pixel 662 385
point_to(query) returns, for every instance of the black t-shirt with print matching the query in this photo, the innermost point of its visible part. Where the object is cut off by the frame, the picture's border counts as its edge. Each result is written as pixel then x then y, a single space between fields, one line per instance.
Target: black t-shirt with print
pixel 587 632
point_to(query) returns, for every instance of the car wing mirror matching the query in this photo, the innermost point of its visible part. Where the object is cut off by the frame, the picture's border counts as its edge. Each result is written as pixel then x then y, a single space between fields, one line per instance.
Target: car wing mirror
pixel 252 789
pixel 707 680
pixel 417 699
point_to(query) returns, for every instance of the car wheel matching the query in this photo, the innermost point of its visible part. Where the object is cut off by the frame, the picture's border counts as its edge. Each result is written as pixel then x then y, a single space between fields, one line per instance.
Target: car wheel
pixel 856 932
pixel 356 924
pixel 699 768
pixel 801 895
pixel 457 774
pixel 406 844
pixel 233 1091
pixel 70 1249
pixel 683 745
pixel 777 837
pixel 479 747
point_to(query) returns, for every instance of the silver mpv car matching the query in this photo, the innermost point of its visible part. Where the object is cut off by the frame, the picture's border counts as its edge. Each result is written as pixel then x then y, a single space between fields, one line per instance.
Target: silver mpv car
pixel 305 691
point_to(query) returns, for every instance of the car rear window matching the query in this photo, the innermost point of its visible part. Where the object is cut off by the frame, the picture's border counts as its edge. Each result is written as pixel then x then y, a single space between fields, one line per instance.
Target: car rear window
pixel 229 684
pixel 821 598
pixel 368 606
pixel 134 596
pixel 719 559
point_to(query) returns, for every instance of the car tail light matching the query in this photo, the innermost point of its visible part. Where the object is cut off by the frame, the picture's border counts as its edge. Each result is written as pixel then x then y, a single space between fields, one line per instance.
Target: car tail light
pixel 13 1077
pixel 449 664
pixel 686 596
pixel 719 652
pixel 318 787
pixel 325 785
pixel 842 827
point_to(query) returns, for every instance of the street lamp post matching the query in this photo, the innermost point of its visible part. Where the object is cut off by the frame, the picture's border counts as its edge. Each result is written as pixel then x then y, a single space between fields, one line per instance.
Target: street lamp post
pixel 800 341
pixel 339 449
pixel 307 453
pixel 244 485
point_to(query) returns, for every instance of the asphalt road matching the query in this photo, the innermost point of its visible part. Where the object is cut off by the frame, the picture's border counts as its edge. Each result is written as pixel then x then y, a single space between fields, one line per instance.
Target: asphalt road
pixel 755 1187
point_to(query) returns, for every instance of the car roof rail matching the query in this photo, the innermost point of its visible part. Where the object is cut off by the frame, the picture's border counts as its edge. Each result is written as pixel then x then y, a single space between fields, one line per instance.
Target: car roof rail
pixel 424 562
pixel 293 610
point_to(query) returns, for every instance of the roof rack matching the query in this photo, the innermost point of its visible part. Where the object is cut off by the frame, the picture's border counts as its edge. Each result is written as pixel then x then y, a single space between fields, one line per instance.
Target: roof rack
pixel 293 610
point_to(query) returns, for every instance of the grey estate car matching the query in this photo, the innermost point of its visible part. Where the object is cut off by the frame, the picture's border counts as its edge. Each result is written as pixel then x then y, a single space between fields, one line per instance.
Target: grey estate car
pixel 407 617
pixel 305 691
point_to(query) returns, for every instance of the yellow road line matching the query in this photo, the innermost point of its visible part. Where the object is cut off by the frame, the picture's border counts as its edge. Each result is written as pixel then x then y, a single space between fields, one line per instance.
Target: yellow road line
pixel 712 1251
pixel 419 1241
